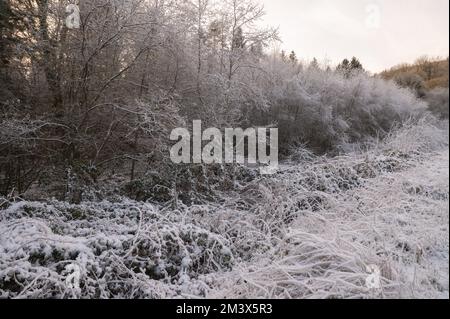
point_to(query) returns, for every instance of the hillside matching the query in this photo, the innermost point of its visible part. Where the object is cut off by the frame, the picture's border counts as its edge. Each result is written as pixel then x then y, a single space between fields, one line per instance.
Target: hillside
pixel 433 72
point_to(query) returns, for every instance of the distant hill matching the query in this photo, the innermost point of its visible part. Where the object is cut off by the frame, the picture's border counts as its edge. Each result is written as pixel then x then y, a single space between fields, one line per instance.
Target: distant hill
pixel 428 78
pixel 433 73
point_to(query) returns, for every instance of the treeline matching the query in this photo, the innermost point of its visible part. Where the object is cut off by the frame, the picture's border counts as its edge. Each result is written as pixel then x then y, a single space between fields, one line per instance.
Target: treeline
pixel 433 72
pixel 79 106
pixel 428 78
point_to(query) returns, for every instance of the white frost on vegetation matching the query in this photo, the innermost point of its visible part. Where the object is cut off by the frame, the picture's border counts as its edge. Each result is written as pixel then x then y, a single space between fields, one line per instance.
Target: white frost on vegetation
pixel 308 232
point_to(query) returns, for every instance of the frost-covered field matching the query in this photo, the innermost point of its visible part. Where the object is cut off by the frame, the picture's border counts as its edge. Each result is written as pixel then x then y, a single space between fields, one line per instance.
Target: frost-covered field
pixel 307 232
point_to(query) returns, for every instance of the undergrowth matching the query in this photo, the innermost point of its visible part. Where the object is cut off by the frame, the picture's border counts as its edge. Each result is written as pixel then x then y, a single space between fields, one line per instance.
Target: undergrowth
pixel 309 231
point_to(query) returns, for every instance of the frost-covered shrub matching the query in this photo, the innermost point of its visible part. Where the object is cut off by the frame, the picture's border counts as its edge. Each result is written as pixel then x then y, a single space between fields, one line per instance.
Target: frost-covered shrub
pixel 123 249
pixel 324 109
pixel 411 81
pixel 438 101
pixel 292 234
pixel 308 231
pixel 321 234
pixel 149 187
pixel 417 137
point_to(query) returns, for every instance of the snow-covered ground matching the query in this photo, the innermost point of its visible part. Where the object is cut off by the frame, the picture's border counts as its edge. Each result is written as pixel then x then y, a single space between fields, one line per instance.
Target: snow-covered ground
pixel 397 221
pixel 308 232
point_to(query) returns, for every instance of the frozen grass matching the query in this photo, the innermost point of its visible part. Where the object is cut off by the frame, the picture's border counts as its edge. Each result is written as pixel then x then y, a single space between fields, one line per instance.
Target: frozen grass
pixel 308 232
pixel 398 221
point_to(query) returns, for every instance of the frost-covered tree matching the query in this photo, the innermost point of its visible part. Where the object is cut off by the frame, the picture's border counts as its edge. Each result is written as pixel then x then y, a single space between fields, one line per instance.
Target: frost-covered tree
pixel 11 25
pixel 94 99
pixel 327 109
pixel 293 57
pixel 349 68
pixel 314 64
pixel 355 65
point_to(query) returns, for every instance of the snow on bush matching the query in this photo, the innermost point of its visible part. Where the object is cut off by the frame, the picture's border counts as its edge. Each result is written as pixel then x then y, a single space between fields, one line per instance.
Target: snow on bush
pixel 308 232
pixel 325 109
pixel 396 217
pixel 125 249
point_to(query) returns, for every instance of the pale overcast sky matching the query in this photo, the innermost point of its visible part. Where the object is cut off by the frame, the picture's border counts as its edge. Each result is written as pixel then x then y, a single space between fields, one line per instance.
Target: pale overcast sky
pixel 381 33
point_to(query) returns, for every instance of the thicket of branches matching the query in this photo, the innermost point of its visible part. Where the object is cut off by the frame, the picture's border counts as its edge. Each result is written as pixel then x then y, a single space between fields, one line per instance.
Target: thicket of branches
pixel 79 105
pixel 428 79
